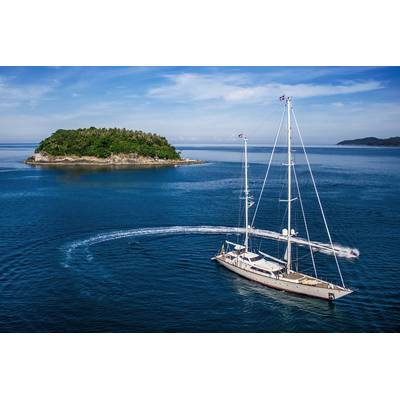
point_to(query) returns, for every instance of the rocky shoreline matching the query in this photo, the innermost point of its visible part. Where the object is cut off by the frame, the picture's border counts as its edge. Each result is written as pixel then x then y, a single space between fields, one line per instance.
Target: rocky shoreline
pixel 113 160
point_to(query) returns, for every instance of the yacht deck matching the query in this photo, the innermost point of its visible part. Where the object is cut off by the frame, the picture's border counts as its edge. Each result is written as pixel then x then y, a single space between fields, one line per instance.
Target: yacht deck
pixel 308 280
pixel 255 261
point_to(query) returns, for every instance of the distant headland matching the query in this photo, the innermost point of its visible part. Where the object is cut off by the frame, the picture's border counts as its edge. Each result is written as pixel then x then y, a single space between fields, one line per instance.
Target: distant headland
pixel 103 146
pixel 372 141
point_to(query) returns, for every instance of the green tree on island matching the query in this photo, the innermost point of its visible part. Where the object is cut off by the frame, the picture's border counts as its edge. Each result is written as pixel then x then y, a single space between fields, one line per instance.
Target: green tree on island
pixel 103 142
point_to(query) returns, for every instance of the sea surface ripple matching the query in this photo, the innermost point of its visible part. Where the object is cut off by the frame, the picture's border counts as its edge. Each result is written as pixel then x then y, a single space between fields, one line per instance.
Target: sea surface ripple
pixel 75 256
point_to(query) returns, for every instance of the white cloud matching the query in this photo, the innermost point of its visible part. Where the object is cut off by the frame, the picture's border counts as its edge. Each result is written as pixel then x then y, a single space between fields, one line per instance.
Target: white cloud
pixel 13 95
pixel 236 89
pixel 319 124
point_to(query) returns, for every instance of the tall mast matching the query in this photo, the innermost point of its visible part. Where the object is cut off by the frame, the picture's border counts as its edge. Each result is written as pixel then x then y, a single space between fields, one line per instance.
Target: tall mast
pixel 246 197
pixel 289 165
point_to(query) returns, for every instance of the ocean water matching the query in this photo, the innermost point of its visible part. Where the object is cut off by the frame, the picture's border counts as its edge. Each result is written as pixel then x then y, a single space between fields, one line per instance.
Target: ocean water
pixel 85 250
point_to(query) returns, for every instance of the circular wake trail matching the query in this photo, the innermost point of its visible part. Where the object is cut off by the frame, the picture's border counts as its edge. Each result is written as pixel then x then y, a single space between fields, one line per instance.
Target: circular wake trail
pixel 105 237
pixel 341 251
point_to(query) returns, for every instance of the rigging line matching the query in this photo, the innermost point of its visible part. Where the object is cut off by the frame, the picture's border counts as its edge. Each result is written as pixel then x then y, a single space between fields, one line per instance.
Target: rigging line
pixel 318 198
pixel 279 202
pixel 282 222
pixel 305 221
pixel 240 211
pixel 269 166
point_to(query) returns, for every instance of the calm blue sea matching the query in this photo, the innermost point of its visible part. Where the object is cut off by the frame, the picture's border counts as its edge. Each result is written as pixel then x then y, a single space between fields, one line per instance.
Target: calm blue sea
pixel 75 257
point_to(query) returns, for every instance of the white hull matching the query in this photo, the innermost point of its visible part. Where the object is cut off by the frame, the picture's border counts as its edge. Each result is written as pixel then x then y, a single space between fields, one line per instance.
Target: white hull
pixel 281 283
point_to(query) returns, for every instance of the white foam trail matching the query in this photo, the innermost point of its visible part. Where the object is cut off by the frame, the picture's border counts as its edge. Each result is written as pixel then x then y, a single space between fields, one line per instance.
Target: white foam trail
pixel 105 237
pixel 341 251
pixel 325 248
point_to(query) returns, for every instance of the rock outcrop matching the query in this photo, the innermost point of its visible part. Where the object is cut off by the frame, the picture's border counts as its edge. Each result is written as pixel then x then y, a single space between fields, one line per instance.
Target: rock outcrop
pixel 41 158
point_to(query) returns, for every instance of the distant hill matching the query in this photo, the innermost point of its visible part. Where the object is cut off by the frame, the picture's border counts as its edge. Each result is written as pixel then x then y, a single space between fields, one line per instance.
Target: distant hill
pixel 372 141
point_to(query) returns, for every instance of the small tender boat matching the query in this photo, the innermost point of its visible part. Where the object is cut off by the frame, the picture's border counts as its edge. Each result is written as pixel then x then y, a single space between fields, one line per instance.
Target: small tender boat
pixel 277 272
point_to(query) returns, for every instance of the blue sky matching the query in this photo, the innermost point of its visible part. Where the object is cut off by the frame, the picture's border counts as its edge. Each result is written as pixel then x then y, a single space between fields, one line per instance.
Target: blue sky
pixel 200 104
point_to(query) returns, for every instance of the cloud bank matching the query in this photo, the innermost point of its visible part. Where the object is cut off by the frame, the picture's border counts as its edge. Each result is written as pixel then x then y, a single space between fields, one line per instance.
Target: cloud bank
pixel 236 89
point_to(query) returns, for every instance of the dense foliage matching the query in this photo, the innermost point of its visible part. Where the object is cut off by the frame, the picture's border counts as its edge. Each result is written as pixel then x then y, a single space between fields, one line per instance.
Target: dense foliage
pixel 102 142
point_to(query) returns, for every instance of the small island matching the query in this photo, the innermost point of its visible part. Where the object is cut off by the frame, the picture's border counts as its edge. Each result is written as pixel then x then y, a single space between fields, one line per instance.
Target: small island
pixel 103 146
pixel 372 141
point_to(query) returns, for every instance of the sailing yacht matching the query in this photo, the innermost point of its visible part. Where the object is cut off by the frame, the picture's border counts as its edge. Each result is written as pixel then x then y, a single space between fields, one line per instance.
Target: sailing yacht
pixel 274 272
